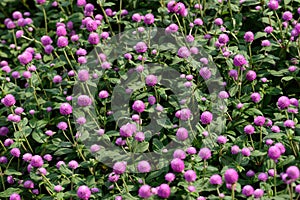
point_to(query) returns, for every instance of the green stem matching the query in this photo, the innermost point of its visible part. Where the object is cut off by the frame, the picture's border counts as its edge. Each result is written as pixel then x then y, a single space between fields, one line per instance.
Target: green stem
pixel 45 20
pixel 275 174
pixel 232 192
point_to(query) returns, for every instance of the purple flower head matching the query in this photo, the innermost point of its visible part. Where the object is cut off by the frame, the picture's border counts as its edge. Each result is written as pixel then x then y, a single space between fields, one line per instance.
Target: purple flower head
pixel 164 191
pixel 84 100
pixel 3 131
pixel 235 149
pixel 249 36
pixel 287 16
pixel 178 153
pixel 293 172
pixel 138 106
pixel 274 153
pixel 65 109
pixel 149 19
pixel 218 21
pixel 119 167
pixel 268 29
pixel 190 176
pixel 83 192
pixel 231 176
pixel 144 167
pixel 83 75
pixel 216 179
pixel 73 164
pixel 259 120
pixel 204 153
pixel 151 80
pixel 255 97
pixel 127 130
pixel 223 95
pixel 263 177
pixel 62 126
pixel 170 177
pixel 182 134
pixel 289 123
pixel 223 38
pixel 233 73
pixel 205 73
pixel 15 152
pixel 283 102
pixel 247 190
pixel 249 129
pixel 258 193
pixel 265 43
pixel 239 60
pixel 145 191
pixel 246 152
pixel 36 161
pixel 14 196
pixel 206 117
pixel 183 52
pixel 94 38
pixel 221 139
pixel 62 41
pixel 9 100
pixel 251 75
pixel 177 165
pixel 273 4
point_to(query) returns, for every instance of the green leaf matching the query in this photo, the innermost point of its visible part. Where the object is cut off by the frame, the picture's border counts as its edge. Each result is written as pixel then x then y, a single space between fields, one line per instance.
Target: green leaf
pixel 9 191
pixel 142 147
pixel 63 151
pixel 253 112
pixel 12 172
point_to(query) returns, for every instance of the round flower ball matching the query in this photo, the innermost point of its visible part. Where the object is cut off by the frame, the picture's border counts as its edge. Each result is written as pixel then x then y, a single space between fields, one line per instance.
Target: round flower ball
pixel 216 179
pixel 293 172
pixel 231 176
pixel 138 106
pixel 206 117
pixel 151 80
pixel 145 191
pixel 190 176
pixel 204 153
pixel 274 152
pixel 182 134
pixel 84 192
pixel 144 167
pixel 65 109
pixel 164 191
pixel 177 165
pixel 119 167
pixel 247 190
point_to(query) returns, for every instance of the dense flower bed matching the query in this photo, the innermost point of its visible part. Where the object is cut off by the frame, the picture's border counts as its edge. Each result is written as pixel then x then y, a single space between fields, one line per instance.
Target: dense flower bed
pixel 149 99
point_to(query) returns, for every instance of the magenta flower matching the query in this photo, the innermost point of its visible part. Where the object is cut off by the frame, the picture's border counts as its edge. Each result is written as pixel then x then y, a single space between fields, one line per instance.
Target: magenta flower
pixel 231 176
pixel 83 192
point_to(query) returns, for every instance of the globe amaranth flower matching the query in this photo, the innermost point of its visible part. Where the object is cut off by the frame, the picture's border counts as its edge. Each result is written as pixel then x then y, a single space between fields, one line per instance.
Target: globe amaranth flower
pixel 205 73
pixel 177 165
pixel 283 102
pixel 182 134
pixel 83 192
pixel 216 179
pixel 206 117
pixel 119 167
pixel 251 75
pixel 273 4
pixel 62 126
pixel 170 177
pixel 14 196
pixel 249 129
pixel 65 109
pixel 149 19
pixel 293 172
pixel 164 191
pixel 141 47
pixel 221 139
pixel 144 166
pixel 231 176
pixel 289 123
pixel 259 120
pixel 247 190
pixel 145 191
pixel 93 38
pixel 204 153
pixel 274 152
pixel 8 100
pixel 249 36
pixel 258 193
pixel 255 97
pixel 190 176
pixel 246 151
pixel 287 16
pixel 36 161
pixel 262 177
pixel 179 153
pixel 84 100
pixel 15 152
pixel 127 130
pixel 239 60
pixel 151 80
pixel 138 106
pixel 183 52
pixel 265 43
